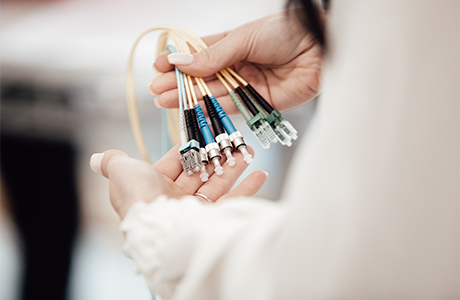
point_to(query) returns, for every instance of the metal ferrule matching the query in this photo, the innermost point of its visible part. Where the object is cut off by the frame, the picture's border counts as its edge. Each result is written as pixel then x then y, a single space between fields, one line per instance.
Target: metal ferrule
pixel 203 156
pixel 213 150
pixel 224 141
pixel 237 139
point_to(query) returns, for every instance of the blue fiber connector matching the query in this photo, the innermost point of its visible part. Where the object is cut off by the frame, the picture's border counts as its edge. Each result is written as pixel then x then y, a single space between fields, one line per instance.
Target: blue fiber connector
pixel 228 125
pixel 205 130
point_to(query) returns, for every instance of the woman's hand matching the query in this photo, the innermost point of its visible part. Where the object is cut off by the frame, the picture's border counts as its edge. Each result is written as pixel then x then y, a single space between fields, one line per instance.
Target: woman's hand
pixel 132 180
pixel 274 54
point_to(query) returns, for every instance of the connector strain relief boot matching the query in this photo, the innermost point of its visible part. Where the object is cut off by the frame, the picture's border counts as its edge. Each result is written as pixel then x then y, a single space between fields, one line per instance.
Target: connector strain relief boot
pixel 215 121
pixel 190 133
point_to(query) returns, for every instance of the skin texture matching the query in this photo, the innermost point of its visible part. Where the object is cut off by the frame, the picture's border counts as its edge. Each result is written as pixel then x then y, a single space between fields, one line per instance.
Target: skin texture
pixel 132 180
pixel 274 54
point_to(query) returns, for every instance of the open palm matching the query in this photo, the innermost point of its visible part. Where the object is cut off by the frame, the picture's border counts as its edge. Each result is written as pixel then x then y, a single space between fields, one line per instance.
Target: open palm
pixel 132 180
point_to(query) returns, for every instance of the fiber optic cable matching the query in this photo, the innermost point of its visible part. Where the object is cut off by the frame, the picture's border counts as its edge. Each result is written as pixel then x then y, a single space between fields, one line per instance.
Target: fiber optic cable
pixel 275 119
pixel 212 148
pixel 193 127
pixel 259 126
pixel 189 151
pixel 183 137
pixel 196 129
pixel 198 144
pixel 222 137
pixel 282 129
pixel 235 136
pixel 133 112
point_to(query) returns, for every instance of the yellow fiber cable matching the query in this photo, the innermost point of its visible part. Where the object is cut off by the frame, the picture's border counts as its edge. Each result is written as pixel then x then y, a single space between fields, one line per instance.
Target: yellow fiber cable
pixel 224 83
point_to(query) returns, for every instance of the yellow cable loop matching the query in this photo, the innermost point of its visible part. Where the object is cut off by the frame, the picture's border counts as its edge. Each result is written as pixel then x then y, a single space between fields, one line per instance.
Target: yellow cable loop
pixel 133 112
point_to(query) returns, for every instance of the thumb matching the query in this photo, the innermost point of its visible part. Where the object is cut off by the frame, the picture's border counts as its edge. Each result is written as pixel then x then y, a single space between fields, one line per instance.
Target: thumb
pixel 101 163
pixel 130 180
pixel 249 186
pixel 230 49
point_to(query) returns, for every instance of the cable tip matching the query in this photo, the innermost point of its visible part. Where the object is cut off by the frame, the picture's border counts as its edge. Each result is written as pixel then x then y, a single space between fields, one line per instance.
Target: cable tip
pixel 219 170
pixel 248 158
pixel 190 172
pixel 231 161
pixel 204 177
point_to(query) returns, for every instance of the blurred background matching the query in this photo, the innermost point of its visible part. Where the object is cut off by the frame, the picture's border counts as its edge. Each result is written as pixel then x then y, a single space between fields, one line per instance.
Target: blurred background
pixel 62 66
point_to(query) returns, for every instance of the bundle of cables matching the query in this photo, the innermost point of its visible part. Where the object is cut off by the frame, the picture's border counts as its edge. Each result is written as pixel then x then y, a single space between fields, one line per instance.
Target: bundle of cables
pixel 199 145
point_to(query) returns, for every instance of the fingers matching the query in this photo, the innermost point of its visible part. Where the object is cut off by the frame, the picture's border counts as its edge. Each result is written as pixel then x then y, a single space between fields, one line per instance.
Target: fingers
pixel 219 185
pixel 249 187
pixel 228 49
pixel 100 162
pixel 130 180
pixel 161 63
pixel 212 39
pixel 169 165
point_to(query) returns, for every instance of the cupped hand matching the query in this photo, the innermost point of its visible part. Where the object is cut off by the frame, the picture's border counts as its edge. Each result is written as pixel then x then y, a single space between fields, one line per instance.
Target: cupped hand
pixel 132 180
pixel 274 54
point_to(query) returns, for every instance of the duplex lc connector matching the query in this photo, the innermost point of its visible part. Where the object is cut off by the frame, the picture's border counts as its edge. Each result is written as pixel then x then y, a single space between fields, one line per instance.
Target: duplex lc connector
pixel 190 157
pixel 259 126
pixel 281 126
pixel 257 123
pixel 282 137
pixel 254 123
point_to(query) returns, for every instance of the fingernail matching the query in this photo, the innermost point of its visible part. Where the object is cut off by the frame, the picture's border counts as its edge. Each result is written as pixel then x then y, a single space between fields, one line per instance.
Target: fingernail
pixel 180 58
pixel 95 162
pixel 153 66
pixel 157 102
pixel 266 173
pixel 150 90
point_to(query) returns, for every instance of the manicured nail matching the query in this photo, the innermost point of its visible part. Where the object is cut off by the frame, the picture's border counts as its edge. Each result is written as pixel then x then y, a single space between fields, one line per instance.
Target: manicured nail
pixel 180 59
pixel 266 173
pixel 150 90
pixel 95 162
pixel 157 102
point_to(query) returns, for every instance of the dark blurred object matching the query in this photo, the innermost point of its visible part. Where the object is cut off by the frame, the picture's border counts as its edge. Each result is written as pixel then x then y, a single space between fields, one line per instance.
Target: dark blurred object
pixel 18 91
pixel 39 174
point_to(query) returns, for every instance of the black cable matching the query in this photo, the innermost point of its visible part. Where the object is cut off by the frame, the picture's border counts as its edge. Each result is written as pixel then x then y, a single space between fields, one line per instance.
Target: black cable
pixel 190 131
pixel 246 101
pixel 215 120
pixel 196 128
pixel 259 99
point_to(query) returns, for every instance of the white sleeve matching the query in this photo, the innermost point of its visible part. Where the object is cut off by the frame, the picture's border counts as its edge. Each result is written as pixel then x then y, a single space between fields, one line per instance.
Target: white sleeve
pixel 180 245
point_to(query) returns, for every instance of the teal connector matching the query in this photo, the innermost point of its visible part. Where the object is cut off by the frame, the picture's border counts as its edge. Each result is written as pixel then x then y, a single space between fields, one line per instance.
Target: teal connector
pixel 193 144
pixel 190 157
pixel 284 131
pixel 262 130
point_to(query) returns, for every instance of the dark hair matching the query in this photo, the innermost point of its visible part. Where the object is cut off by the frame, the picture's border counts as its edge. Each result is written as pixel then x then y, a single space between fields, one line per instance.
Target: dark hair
pixel 309 16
